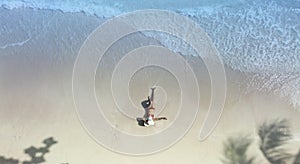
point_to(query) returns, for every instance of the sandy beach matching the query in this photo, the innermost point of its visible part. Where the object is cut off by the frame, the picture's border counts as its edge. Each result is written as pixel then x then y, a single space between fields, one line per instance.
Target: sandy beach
pixel 36 99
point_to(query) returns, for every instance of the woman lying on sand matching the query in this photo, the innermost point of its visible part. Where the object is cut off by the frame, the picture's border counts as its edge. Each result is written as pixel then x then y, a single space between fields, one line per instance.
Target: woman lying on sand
pixel 149 110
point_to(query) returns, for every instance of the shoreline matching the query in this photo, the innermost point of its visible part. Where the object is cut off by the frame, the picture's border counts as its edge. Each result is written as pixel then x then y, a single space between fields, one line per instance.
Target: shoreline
pixel 78 31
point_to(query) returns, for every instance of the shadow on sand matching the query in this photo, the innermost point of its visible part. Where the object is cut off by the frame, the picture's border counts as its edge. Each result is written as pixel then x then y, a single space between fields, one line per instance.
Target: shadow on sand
pixel 36 154
pixel 273 136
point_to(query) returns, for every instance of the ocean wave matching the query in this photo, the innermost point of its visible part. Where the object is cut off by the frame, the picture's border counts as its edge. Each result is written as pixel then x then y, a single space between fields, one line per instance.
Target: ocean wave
pixel 253 39
pixel 88 7
pixel 105 8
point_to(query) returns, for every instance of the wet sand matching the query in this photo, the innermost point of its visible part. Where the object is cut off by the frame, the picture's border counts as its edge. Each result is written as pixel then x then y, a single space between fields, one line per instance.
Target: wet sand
pixel 36 99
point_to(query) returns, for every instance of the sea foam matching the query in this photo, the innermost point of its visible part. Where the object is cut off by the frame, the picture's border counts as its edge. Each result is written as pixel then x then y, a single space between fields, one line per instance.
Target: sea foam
pixel 90 7
pixel 260 38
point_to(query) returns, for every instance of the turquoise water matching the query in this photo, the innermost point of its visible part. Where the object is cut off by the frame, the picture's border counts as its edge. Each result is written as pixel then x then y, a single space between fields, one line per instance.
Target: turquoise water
pixel 113 8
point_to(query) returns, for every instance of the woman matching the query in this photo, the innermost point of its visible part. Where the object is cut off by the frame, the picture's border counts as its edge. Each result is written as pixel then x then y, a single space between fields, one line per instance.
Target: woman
pixel 150 109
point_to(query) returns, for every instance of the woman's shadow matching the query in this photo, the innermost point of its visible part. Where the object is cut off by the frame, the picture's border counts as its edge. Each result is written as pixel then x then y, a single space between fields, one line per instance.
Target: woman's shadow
pixel 145 104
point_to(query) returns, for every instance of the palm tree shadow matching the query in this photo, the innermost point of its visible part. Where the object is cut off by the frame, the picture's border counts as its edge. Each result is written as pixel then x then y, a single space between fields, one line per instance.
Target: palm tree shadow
pixel 235 150
pixel 36 154
pixel 4 160
pixel 273 135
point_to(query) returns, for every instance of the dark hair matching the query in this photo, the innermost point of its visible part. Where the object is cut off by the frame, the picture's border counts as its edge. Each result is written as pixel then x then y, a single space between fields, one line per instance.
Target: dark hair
pixel 146 103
